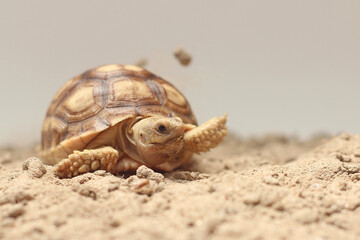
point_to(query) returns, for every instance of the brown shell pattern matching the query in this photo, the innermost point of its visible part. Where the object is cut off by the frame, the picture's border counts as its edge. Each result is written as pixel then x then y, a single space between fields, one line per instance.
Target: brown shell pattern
pixel 104 96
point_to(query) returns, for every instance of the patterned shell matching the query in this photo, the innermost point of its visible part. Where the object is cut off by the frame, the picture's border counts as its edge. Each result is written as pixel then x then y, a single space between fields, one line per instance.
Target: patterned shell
pixel 99 99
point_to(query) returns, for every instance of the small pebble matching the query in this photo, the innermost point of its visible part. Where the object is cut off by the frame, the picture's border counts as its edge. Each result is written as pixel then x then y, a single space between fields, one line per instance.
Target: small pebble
pixel 145 172
pixel 34 167
pixel 100 173
pixel 144 186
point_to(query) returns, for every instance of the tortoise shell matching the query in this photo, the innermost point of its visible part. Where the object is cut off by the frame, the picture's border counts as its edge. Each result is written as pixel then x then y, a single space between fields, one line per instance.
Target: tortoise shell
pixel 102 97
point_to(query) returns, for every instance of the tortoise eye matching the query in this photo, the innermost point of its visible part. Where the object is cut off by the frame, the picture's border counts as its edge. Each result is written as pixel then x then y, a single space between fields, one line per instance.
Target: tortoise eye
pixel 161 129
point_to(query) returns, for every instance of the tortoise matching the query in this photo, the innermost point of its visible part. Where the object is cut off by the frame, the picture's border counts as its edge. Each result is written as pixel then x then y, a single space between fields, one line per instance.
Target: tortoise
pixel 119 117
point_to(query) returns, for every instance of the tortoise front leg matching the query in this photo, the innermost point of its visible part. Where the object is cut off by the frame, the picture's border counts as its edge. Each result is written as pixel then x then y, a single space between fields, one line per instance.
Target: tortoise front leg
pixel 206 136
pixel 88 160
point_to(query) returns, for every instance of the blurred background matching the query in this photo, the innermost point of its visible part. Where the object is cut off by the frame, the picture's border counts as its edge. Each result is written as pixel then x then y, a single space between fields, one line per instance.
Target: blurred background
pixel 276 66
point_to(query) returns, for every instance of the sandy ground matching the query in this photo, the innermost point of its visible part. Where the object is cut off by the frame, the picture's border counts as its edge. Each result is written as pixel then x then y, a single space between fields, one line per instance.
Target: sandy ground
pixel 263 188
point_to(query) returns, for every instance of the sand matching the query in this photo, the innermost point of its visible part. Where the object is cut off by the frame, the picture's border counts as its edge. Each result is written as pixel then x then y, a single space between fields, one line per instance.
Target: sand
pixel 273 187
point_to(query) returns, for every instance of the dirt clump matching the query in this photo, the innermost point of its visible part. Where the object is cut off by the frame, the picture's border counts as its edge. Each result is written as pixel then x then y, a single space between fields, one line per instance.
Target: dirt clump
pixel 182 56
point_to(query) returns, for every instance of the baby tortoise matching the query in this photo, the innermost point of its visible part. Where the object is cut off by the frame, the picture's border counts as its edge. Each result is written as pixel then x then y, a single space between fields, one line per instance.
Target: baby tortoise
pixel 118 117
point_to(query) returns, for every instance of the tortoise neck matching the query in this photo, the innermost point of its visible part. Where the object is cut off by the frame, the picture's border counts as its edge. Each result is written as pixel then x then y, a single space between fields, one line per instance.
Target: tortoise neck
pixel 124 139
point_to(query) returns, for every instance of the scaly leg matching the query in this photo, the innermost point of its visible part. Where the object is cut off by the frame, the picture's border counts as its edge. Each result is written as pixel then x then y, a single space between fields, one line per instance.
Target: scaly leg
pixel 88 160
pixel 206 136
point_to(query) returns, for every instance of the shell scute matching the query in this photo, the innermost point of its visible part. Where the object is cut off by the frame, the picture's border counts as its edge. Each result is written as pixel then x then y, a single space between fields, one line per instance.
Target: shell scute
pixel 130 91
pixel 84 101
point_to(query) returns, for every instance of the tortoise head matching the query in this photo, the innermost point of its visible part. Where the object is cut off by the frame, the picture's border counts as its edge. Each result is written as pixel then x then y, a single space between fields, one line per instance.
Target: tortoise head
pixel 158 139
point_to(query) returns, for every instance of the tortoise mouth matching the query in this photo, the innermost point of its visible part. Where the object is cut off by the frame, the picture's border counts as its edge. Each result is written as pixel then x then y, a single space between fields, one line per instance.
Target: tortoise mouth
pixel 158 153
pixel 169 148
pixel 169 141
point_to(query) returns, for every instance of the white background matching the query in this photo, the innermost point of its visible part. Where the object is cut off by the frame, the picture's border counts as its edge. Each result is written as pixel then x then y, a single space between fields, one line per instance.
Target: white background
pixel 275 66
